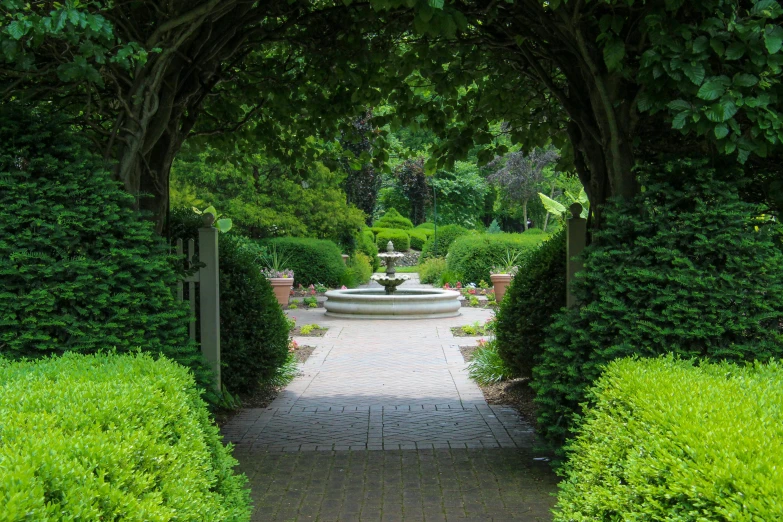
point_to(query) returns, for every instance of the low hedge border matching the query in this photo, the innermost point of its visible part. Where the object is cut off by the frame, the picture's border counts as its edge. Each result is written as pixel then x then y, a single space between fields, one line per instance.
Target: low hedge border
pixel 472 257
pixel 110 437
pixel 668 440
pixel 312 260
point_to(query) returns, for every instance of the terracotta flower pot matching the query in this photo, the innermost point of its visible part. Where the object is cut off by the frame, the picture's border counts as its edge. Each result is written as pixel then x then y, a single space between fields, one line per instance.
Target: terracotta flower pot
pixel 500 282
pixel 282 287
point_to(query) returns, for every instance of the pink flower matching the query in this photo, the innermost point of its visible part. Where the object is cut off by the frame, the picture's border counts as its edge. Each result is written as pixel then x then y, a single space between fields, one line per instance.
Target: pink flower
pixel 312 292
pixel 482 342
pixel 459 285
pixel 343 287
pixel 447 286
pixel 472 291
pixel 311 286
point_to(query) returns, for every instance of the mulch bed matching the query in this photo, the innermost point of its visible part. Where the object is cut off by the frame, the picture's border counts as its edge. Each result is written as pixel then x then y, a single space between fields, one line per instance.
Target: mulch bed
pixel 458 332
pixel 515 392
pixel 262 397
pixel 297 332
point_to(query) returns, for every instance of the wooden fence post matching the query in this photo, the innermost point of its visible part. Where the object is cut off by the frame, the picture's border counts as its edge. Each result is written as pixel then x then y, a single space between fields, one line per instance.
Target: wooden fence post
pixel 577 240
pixel 209 287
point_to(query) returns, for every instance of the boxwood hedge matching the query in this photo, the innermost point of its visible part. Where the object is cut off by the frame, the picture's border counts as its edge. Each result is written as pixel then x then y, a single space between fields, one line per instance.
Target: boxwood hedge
pixel 312 260
pixel 445 237
pixel 393 219
pixel 112 437
pixel 400 239
pixel 668 440
pixel 472 257
pixel 418 238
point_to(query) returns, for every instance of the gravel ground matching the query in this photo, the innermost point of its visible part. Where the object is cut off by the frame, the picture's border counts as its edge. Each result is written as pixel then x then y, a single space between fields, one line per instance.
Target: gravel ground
pixel 515 392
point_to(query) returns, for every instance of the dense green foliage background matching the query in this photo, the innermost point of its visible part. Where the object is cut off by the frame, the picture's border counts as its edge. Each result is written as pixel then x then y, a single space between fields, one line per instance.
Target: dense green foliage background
pixel 312 260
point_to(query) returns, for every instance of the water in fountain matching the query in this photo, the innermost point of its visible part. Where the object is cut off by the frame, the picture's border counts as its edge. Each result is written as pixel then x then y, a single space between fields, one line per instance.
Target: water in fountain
pixel 390 280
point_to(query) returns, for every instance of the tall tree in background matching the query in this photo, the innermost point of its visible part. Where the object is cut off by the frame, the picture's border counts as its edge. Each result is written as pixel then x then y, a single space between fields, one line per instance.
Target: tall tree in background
pixel 521 176
pixel 363 181
pixel 414 185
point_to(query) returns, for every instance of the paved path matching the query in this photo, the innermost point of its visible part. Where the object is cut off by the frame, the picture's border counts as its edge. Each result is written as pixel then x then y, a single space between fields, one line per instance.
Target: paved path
pixel 384 424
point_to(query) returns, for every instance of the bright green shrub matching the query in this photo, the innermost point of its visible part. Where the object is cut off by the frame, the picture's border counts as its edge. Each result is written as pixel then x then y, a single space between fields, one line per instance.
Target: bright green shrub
pixel 534 231
pixel 431 270
pixel 359 270
pixel 253 328
pixel 80 270
pixel 377 230
pixel 473 256
pixel 417 239
pixel 536 294
pixel 399 238
pixel 445 237
pixel 393 219
pixel 670 441
pixel 366 245
pixel 689 275
pixel 112 437
pixel 426 226
pixel 312 260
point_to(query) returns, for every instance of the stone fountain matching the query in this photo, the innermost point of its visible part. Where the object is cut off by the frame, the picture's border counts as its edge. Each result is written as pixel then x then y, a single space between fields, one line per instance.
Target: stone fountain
pixel 391 302
pixel 390 280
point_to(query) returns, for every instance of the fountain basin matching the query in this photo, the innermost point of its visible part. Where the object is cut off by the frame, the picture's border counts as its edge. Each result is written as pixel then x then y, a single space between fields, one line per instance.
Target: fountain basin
pixel 371 303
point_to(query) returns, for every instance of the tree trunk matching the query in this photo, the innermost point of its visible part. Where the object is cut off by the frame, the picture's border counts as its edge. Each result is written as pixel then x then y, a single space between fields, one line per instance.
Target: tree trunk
pixel 524 218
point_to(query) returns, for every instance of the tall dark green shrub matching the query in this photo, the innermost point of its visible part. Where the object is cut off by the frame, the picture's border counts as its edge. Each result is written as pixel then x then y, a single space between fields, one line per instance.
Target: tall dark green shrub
pixel 472 257
pixel 80 270
pixel 682 269
pixel 312 260
pixel 445 236
pixel 253 328
pixel 536 294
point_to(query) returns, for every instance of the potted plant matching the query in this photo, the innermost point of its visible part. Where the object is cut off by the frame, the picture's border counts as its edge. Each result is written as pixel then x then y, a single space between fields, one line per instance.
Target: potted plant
pixel 281 278
pixel 502 274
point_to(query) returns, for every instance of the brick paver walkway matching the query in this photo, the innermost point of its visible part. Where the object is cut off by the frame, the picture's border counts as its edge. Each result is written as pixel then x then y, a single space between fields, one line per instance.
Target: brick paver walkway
pixel 384 424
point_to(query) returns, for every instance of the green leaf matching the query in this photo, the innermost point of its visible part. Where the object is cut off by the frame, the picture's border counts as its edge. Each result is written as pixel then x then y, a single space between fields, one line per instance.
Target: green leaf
pixel 437 4
pixel 16 29
pixel 678 122
pixel 614 52
pixel 773 38
pixel 745 80
pixel 694 72
pixel 714 88
pixel 721 131
pixel 679 105
pixel 224 224
pixel 552 206
pixel 721 111
pixel 700 44
pixel 735 51
pixel 717 46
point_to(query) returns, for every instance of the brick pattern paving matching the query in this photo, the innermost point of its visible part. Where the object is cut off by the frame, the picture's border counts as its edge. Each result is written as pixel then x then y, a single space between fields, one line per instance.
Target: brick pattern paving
pixel 498 485
pixel 384 424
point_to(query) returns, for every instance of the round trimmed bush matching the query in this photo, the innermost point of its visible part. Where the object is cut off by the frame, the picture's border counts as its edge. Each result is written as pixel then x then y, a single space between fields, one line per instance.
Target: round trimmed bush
pixel 393 219
pixel 80 270
pixel 445 237
pixel 536 294
pixel 312 260
pixel 253 327
pixel 400 239
pixel 426 226
pixel 112 437
pixel 418 239
pixel 685 268
pixel 472 257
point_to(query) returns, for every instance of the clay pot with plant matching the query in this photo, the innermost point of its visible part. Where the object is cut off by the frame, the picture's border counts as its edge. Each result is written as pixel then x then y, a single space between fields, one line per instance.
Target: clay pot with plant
pixel 280 277
pixel 503 273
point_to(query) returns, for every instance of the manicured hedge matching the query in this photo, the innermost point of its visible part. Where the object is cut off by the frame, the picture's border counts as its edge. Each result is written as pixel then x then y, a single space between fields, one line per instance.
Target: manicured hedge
pixel 312 260
pixel 445 237
pixel 253 327
pixel 112 437
pixel 80 270
pixel 472 257
pixel 537 292
pixel 400 239
pixel 393 219
pixel 426 226
pixel 418 238
pixel 670 441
